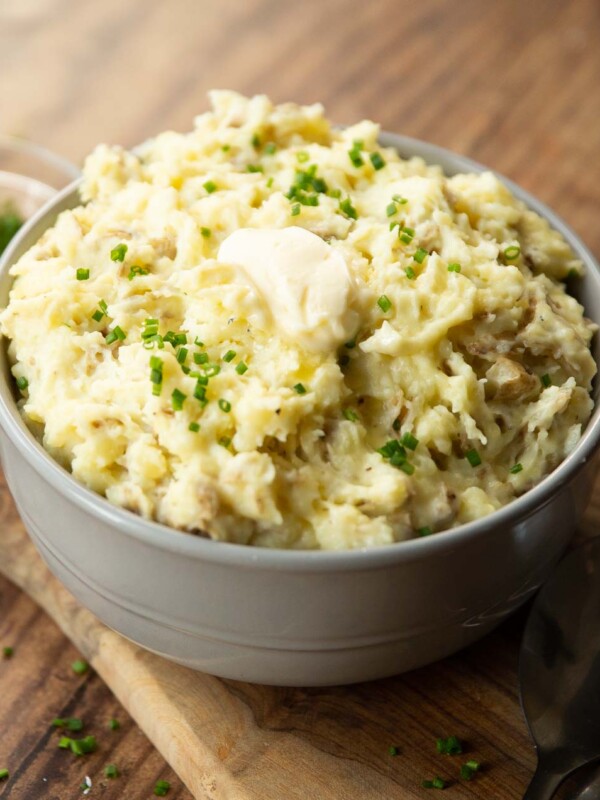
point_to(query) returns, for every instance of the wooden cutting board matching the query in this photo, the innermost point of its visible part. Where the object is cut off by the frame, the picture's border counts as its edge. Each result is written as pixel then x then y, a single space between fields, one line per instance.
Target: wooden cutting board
pixel 234 741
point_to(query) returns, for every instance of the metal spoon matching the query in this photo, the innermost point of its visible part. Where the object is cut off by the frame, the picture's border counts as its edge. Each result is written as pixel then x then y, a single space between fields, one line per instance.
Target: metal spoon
pixel 560 671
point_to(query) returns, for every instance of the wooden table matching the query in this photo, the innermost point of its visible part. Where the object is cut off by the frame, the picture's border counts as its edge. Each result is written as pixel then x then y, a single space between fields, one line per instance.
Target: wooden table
pixel 513 84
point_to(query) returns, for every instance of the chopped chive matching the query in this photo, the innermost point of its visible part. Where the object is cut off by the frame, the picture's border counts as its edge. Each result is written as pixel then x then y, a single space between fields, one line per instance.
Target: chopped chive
pixel 224 405
pixel 425 531
pixel 269 148
pixel 397 198
pixel 404 237
pixel 393 750
pixel 118 253
pixel 436 783
pixel 103 306
pixel 354 154
pixel 156 374
pixel 335 193
pixel 200 358
pixel 546 380
pixel 80 667
pixel 384 303
pixel 211 370
pixel 516 469
pixel 194 427
pixel 161 788
pixel 420 255
pixel 182 355
pixel 299 388
pixel 80 747
pixel 116 333
pixel 206 232
pixel 453 267
pixel 270 182
pixel 377 160
pixel 391 209
pixel 410 441
pixel 97 316
pixel 229 356
pixel 200 393
pixel 295 210
pixel 4 774
pixel 302 156
pixel 469 769
pixel 450 747
pixel 255 141
pixel 405 467
pixel 392 448
pixel 153 340
pixel 473 458
pixel 410 273
pixel 8 652
pixel 225 148
pixel 111 771
pixel 512 252
pixel 197 342
pixel 71 723
pixel 350 415
pixel 348 209
pixel 114 724
pixel 82 274
pixel 210 186
pixel 175 338
pixel 177 399
pixel 224 441
pixel 135 271
pixel 254 168
pixel 22 383
pixel 241 368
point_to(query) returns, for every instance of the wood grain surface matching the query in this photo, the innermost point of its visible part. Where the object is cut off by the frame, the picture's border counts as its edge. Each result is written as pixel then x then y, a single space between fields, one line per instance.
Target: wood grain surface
pixel 512 84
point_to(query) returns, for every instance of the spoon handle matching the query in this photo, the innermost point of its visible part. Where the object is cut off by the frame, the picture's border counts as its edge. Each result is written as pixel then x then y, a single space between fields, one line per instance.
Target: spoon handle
pixel 543 784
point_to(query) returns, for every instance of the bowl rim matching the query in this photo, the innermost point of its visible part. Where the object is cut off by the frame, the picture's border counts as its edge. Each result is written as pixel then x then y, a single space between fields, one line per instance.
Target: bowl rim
pixel 172 540
pixel 20 144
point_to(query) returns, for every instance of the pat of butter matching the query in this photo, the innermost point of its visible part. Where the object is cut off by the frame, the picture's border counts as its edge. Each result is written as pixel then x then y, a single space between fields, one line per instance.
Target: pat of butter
pixel 304 282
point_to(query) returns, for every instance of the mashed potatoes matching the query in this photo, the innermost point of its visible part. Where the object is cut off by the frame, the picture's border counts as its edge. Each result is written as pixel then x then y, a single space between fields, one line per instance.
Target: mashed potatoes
pixel 406 359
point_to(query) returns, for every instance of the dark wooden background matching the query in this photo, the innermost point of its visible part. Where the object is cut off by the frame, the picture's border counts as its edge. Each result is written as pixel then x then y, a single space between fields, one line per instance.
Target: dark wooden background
pixel 513 84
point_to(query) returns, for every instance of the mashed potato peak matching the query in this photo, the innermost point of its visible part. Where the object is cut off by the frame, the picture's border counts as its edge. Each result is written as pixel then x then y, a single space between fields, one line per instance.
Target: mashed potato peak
pixel 205 385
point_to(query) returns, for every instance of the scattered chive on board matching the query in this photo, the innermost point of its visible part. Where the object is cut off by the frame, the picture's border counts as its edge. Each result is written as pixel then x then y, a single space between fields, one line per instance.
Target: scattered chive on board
pixel 469 769
pixel 80 667
pixel 111 771
pixel 451 746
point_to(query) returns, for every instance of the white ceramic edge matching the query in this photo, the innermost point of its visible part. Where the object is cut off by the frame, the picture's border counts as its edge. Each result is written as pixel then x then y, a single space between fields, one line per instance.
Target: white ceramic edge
pixel 166 538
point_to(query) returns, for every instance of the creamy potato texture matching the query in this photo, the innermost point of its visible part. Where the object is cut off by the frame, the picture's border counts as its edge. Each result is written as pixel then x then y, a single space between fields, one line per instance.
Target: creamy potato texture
pixel 453 374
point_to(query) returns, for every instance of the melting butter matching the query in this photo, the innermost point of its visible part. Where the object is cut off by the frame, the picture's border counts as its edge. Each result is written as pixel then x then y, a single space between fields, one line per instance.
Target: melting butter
pixel 304 282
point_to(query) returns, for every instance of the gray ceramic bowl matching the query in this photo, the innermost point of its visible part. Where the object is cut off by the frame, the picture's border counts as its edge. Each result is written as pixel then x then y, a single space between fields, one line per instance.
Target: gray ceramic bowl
pixel 294 618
